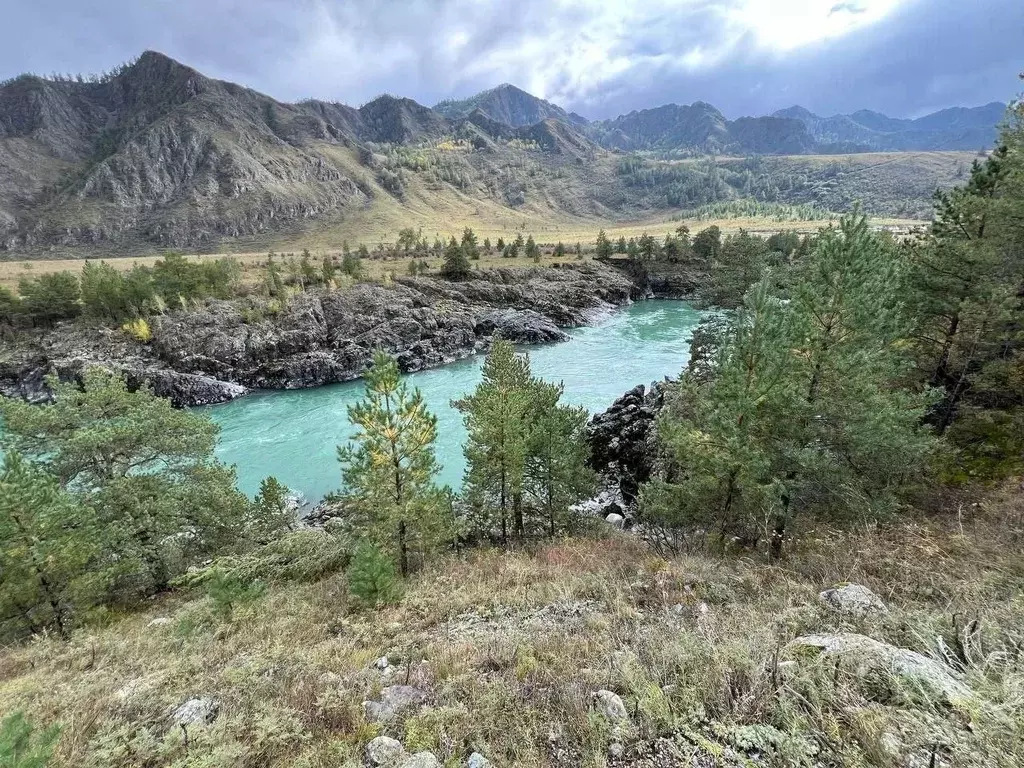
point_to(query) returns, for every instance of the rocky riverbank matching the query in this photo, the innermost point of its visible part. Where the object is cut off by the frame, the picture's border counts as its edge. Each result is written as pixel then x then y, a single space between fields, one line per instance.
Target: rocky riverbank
pixel 223 349
pixel 624 449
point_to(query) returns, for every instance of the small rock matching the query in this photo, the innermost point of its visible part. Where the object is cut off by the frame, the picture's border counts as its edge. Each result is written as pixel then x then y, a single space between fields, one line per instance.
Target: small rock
pixel 614 520
pixel 476 760
pixel 422 760
pixel 610 705
pixel 382 663
pixel 384 750
pixel 162 621
pixel 853 600
pixel 616 750
pixel 198 711
pixel 393 700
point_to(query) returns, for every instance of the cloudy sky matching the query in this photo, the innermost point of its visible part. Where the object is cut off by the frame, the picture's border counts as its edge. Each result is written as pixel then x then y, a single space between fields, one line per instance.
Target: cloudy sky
pixel 901 57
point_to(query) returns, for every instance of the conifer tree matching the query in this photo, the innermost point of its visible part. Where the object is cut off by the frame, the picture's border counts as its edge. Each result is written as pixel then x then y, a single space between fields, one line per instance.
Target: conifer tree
pixel 604 245
pixel 274 282
pixel 145 469
pixel 556 471
pixel 456 266
pixel 801 411
pixel 532 250
pixel 46 547
pixel 469 244
pixel 389 467
pixel 496 416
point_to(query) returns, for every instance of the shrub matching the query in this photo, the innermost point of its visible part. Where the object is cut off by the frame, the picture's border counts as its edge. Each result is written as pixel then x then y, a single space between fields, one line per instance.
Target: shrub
pixel 372 576
pixel 228 591
pixel 138 329
pixel 21 746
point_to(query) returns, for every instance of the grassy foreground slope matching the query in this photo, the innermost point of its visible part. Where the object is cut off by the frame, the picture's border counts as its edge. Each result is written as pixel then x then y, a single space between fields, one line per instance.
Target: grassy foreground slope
pixel 508 649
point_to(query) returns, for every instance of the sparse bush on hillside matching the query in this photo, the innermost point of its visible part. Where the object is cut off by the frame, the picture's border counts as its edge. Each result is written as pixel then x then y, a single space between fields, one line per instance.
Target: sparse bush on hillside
pixel 22 745
pixel 48 298
pixel 372 576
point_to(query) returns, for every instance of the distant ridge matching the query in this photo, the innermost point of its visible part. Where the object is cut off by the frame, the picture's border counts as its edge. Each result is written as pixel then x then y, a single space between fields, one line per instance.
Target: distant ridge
pixel 966 128
pixel 510 105
pixel 157 155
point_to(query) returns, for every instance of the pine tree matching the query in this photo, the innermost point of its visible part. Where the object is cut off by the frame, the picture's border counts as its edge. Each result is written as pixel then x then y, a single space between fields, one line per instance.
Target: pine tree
pixel 456 266
pixel 532 250
pixel 965 290
pixel 51 297
pixel 352 263
pixel 496 416
pixel 604 245
pixel 46 548
pixel 620 247
pixel 273 508
pixel 500 244
pixel 372 576
pixel 388 469
pixel 738 265
pixel 469 245
pixel 801 412
pixel 851 436
pixel 274 282
pixel 556 471
pixel 145 469
pixel 719 428
pixel 560 250
pixel 328 269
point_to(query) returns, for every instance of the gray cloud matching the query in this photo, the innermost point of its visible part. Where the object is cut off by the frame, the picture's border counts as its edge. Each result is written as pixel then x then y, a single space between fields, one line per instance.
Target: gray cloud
pixel 600 59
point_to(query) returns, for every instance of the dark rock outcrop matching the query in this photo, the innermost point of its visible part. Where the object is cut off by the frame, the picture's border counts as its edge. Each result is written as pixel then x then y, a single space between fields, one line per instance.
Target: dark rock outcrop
pixel 221 350
pixel 623 442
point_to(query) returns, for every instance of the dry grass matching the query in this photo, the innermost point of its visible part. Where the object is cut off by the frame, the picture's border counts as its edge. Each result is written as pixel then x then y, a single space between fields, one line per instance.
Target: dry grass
pixel 546 234
pixel 509 647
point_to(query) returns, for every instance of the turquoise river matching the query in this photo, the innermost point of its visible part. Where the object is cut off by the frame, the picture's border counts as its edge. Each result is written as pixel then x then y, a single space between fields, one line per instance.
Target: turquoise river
pixel 294 434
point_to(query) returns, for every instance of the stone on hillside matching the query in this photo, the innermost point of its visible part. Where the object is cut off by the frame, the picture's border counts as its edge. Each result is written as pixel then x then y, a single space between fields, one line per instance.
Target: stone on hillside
pixel 162 621
pixel 199 711
pixel 867 657
pixel 394 700
pixel 382 663
pixel 610 705
pixel 614 520
pixel 476 760
pixel 853 600
pixel 384 750
pixel 421 760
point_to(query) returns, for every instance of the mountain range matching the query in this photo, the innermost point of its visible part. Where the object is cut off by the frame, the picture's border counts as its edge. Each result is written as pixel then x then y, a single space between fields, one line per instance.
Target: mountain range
pixel 158 155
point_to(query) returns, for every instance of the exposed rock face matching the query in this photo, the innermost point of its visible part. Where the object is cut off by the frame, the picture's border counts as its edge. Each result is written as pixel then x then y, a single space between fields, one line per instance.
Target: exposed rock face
pixel 623 441
pixel 875 662
pixel 218 353
pixel 660 280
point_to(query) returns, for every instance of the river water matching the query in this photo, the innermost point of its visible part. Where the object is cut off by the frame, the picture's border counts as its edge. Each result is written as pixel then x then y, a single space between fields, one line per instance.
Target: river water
pixel 293 435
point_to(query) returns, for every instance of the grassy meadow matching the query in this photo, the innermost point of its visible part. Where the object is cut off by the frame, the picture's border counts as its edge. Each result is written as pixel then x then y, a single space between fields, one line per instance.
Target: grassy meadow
pixel 509 647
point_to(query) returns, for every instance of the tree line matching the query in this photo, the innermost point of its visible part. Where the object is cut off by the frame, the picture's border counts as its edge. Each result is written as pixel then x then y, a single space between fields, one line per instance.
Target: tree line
pixel 855 372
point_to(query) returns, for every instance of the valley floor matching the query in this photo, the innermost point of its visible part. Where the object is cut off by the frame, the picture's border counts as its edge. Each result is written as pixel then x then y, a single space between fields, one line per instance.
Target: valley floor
pixel 253 255
pixel 503 653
